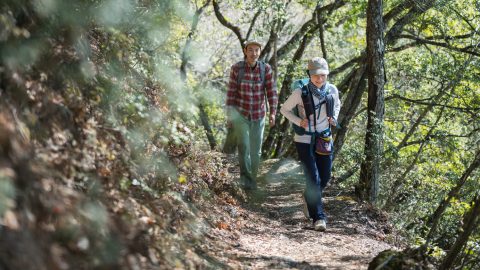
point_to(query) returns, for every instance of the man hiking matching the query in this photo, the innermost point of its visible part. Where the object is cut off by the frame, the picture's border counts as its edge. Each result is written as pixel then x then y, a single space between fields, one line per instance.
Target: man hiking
pixel 251 83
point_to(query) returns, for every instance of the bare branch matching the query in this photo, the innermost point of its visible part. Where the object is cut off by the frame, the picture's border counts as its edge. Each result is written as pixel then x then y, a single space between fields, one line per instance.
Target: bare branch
pixel 287 47
pixel 227 24
pixel 347 65
pixel 321 35
pixel 419 40
pixel 397 28
pixel 442 135
pixel 434 104
pixel 193 29
pixel 252 23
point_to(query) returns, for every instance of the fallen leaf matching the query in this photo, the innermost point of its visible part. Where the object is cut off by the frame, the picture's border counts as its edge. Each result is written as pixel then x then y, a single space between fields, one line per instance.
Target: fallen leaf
pixel 223 226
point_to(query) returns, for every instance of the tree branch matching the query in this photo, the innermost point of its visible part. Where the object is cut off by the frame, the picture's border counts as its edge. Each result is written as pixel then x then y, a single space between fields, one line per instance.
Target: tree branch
pixel 321 35
pixel 252 23
pixel 470 223
pixel 186 48
pixel 440 135
pixel 347 65
pixel 399 182
pixel 224 22
pixel 419 40
pixel 417 8
pixel 274 30
pixel 397 10
pixel 434 104
pixel 287 47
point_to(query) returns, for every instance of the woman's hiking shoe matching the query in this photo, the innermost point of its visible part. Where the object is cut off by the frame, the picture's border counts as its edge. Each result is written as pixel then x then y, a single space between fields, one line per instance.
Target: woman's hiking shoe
pixel 320 225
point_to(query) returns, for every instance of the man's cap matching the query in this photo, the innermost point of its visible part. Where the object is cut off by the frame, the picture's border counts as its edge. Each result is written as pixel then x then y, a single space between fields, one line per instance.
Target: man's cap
pixel 250 42
pixel 318 65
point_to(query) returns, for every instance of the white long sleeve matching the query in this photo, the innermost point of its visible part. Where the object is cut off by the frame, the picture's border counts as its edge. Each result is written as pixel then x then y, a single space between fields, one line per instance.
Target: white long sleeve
pixel 295 99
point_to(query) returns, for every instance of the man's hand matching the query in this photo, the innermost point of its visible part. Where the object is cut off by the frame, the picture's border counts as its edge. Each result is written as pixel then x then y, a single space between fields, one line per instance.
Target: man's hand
pixel 272 120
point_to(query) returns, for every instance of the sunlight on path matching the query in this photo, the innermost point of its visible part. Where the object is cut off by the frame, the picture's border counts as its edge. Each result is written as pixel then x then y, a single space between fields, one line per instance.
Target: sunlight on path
pixel 278 236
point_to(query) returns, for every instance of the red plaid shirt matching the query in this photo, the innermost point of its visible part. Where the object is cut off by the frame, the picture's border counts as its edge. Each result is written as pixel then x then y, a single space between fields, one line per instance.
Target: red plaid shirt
pixel 249 97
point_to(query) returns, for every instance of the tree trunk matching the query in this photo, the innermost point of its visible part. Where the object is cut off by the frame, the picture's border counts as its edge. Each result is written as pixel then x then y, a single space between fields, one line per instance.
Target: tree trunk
pixel 183 74
pixel 370 168
pixel 357 86
pixel 188 42
pixel 271 141
pixel 208 129
pixel 282 139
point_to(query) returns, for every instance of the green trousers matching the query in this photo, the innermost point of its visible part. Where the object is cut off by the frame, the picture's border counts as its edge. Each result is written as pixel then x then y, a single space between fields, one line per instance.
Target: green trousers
pixel 249 136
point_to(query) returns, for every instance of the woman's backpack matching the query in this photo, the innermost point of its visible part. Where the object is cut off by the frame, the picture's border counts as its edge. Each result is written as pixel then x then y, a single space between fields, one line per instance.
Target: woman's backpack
pixel 308 104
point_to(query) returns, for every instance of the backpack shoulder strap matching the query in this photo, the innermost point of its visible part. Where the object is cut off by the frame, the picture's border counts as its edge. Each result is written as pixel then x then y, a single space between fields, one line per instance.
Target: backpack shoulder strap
pixel 262 77
pixel 304 90
pixel 330 104
pixel 329 100
pixel 262 72
pixel 307 101
pixel 241 73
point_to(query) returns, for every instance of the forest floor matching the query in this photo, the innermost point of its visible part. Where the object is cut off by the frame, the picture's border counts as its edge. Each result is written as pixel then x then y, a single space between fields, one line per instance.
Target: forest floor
pixel 272 232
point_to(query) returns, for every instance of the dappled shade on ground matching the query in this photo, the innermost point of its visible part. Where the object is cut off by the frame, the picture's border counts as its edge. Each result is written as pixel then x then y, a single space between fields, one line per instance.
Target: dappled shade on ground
pixel 276 235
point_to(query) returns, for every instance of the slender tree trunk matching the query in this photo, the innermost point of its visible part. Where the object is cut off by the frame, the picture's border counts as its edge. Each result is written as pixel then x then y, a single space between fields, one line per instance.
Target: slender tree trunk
pixel 183 74
pixel 321 34
pixel 271 141
pixel 208 130
pixel 357 86
pixel 188 42
pixel 370 168
pixel 470 222
pixel 435 218
pixel 282 138
pixel 275 28
pixel 397 185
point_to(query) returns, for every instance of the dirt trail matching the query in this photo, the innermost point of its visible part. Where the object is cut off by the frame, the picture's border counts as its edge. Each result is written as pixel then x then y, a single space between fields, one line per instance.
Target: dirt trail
pixel 276 235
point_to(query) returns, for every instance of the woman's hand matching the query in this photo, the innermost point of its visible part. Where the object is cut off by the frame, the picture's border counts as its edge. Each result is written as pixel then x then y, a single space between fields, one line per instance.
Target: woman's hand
pixel 332 121
pixel 304 123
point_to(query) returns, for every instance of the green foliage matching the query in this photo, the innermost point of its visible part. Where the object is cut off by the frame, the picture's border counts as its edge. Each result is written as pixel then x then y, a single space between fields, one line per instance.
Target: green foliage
pixel 111 67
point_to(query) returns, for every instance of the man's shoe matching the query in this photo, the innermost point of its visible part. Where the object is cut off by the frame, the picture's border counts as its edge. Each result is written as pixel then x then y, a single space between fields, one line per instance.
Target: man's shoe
pixel 320 225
